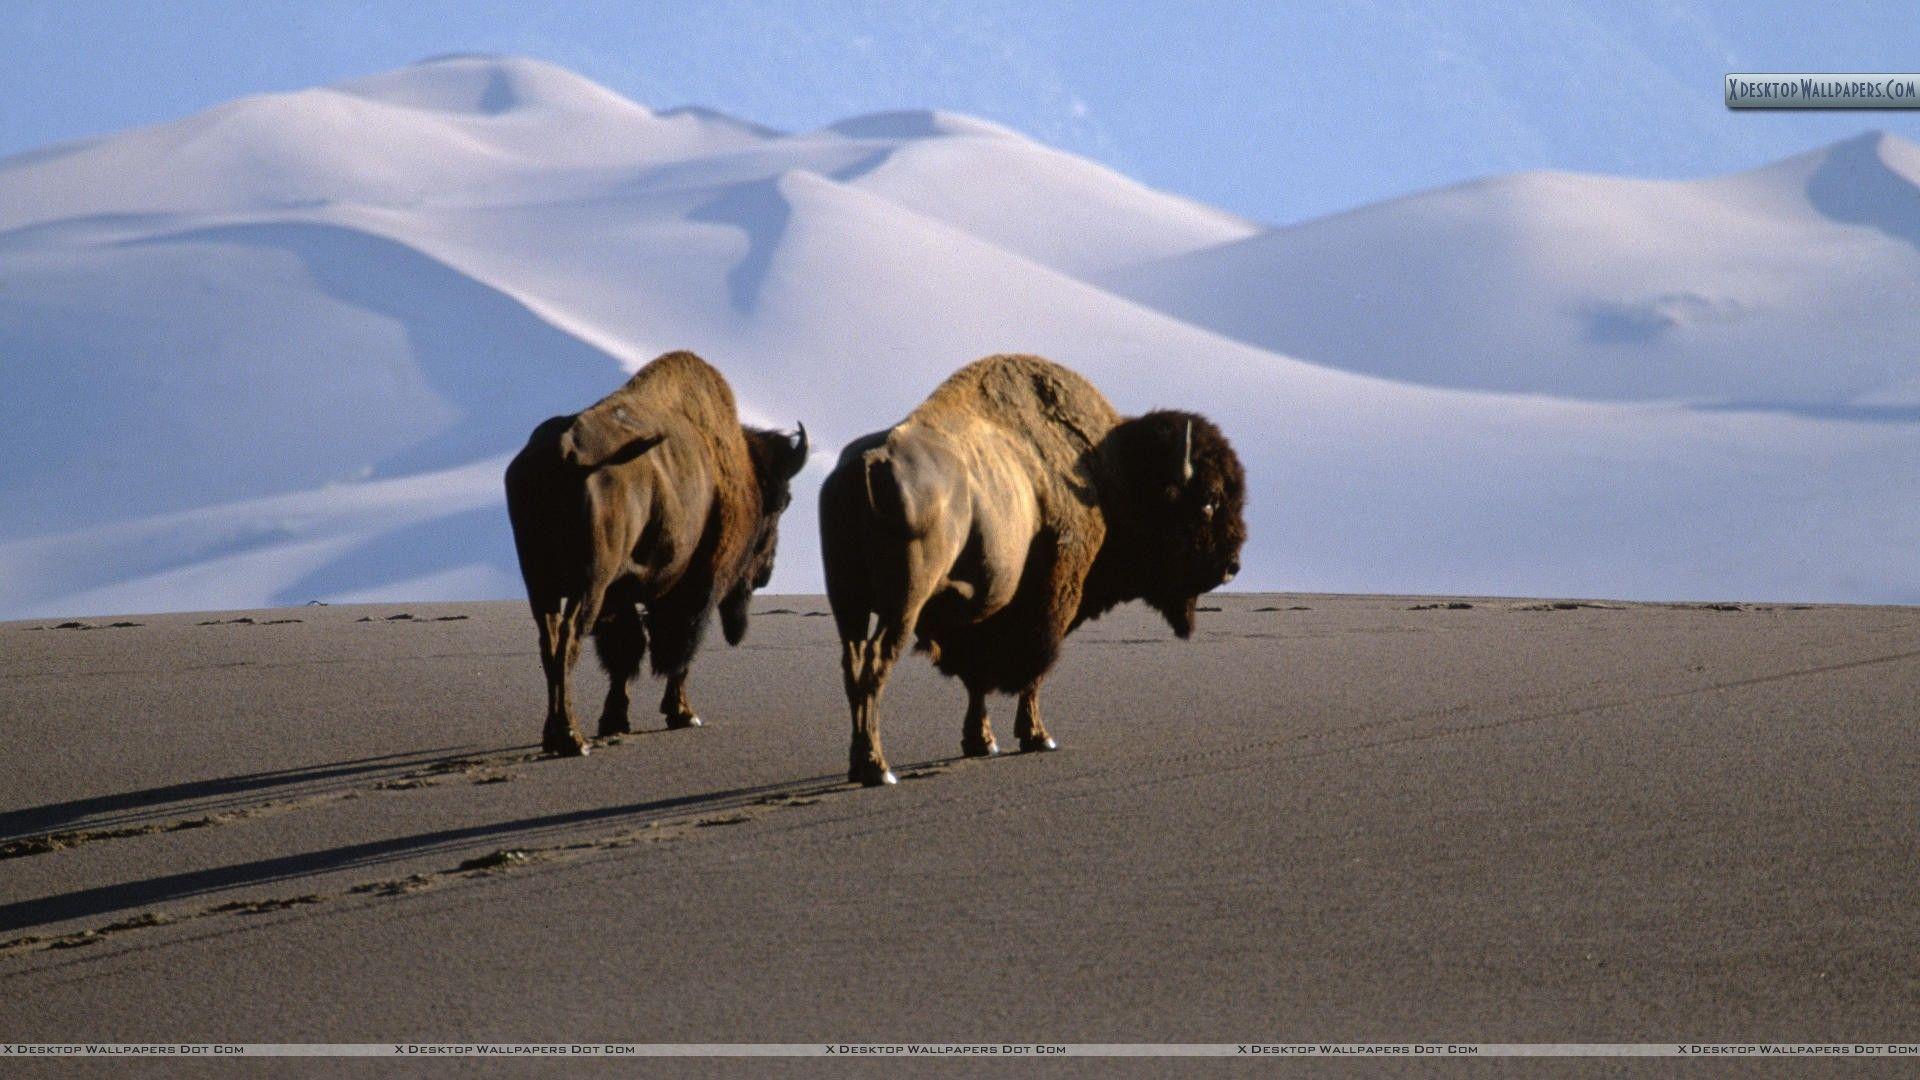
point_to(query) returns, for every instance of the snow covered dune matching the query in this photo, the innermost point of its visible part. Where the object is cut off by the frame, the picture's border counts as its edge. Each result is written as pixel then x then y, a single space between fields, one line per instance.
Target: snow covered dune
pixel 279 351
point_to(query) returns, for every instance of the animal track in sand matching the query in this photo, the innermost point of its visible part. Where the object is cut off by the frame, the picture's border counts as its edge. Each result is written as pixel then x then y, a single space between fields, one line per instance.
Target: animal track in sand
pixel 492 769
pixel 499 861
pixel 43 843
pixel 503 860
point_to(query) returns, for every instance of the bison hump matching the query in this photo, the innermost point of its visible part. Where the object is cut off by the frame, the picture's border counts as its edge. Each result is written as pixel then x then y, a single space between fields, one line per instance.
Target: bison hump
pixel 1052 413
pixel 1034 398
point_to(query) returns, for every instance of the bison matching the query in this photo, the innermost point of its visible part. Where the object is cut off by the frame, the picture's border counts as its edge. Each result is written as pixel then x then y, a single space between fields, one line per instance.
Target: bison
pixel 1013 505
pixel 655 498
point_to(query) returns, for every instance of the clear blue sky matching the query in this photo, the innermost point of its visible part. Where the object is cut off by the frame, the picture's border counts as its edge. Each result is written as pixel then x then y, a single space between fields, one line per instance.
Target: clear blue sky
pixel 1277 111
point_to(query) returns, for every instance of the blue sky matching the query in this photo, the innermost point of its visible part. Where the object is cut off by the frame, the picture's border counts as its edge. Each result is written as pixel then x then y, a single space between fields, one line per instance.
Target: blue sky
pixel 1275 111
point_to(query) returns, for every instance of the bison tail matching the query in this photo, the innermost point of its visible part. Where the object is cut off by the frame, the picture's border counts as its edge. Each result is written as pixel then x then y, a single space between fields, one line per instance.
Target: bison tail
pixel 584 454
pixel 883 489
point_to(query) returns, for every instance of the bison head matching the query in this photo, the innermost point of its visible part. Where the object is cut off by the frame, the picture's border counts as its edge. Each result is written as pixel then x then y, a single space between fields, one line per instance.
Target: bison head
pixel 1184 496
pixel 777 457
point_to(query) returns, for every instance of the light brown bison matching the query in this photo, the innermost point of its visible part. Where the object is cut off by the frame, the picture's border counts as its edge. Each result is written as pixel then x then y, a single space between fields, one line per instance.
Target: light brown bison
pixel 1011 506
pixel 655 498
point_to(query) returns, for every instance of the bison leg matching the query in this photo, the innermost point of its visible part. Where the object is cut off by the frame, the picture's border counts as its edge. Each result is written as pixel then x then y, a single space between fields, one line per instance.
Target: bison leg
pixel 865 677
pixel 621 640
pixel 1027 726
pixel 976 734
pixel 673 703
pixel 559 650
pixel 676 637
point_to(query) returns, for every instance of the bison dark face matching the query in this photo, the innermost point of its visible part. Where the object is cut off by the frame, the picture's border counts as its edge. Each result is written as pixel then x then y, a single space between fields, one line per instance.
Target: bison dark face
pixel 1189 498
pixel 777 457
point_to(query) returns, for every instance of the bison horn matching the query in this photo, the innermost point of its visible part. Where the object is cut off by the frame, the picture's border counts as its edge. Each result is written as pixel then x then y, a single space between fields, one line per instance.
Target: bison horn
pixel 796 451
pixel 1186 459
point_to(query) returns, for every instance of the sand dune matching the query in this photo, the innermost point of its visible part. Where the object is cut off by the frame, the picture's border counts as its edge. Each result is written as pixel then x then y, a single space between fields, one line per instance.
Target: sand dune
pixel 1537 383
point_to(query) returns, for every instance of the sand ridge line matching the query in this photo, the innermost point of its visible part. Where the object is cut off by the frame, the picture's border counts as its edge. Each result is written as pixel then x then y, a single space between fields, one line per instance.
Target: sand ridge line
pixel 1521 699
pixel 1058 794
pixel 500 860
pixel 1463 729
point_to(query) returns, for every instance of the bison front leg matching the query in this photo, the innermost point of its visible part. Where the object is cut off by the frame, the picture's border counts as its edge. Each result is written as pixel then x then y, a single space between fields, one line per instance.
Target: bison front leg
pixel 1027 726
pixel 621 640
pixel 674 705
pixel 976 733
pixel 676 629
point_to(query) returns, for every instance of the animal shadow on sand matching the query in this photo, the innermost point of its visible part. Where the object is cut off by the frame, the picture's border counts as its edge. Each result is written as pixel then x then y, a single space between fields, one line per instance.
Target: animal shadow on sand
pixel 459 842
pixel 220 794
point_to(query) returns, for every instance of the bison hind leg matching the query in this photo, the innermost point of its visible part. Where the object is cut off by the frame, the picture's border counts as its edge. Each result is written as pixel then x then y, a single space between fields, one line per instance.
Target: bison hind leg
pixel 621 640
pixel 559 622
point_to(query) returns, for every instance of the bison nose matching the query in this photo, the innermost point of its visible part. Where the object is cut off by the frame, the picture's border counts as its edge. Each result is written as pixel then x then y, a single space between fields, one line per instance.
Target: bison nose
pixel 1232 569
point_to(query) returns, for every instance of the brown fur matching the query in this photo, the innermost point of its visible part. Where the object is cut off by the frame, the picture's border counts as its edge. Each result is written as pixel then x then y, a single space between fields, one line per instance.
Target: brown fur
pixel 654 497
pixel 1012 505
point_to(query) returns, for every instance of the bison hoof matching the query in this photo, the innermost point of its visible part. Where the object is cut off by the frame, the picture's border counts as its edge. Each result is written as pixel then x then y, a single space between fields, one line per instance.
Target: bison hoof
pixel 610 728
pixel 979 749
pixel 1044 742
pixel 564 744
pixel 872 774
pixel 675 723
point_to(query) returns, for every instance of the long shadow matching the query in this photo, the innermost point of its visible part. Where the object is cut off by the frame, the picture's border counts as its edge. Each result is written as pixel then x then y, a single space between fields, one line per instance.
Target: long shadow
pixel 107 899
pixel 205 796
pixel 1855 185
pixel 498 364
pixel 475 537
pixel 758 209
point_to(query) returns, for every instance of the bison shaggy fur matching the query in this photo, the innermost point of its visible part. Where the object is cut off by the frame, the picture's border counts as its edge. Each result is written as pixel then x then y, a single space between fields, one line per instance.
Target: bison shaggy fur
pixel 634 520
pixel 1008 508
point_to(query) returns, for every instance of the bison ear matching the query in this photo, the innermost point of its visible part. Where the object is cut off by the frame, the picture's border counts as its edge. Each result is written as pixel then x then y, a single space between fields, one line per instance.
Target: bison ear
pixel 796 455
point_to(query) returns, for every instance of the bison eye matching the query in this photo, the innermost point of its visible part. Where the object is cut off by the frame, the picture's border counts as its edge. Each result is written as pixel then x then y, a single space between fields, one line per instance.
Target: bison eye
pixel 1207 510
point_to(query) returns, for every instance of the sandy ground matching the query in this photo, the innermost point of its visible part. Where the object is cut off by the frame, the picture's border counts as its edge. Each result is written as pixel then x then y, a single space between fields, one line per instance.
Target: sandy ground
pixel 1324 818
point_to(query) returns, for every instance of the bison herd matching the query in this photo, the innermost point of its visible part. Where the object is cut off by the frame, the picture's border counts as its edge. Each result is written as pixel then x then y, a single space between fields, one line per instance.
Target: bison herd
pixel 1008 508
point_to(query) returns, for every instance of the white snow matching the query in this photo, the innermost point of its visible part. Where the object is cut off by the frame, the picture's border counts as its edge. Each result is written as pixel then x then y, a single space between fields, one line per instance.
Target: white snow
pixel 1789 286
pixel 281 350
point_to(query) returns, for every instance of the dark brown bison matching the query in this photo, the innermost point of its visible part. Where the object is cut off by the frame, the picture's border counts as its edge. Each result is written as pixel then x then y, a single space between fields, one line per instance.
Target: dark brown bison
pixel 1011 506
pixel 655 498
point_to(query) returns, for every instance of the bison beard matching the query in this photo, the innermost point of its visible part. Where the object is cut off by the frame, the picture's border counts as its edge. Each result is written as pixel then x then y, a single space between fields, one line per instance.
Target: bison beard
pixel 1011 506
pixel 633 520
